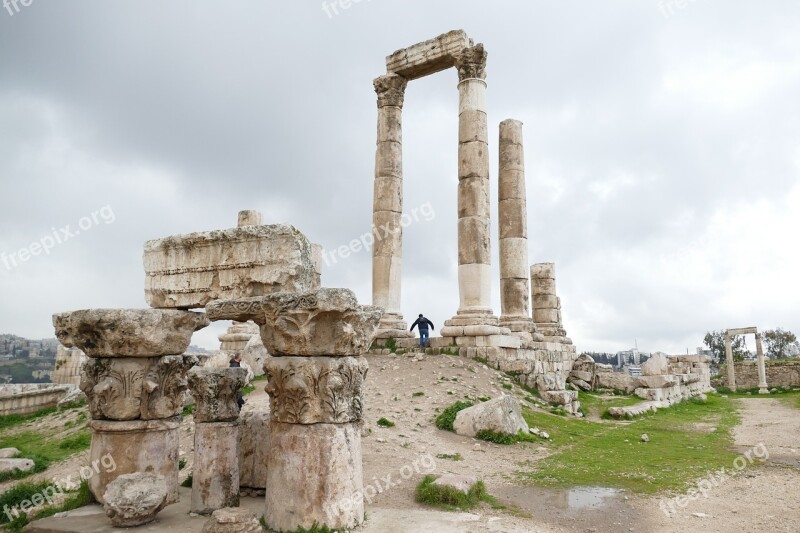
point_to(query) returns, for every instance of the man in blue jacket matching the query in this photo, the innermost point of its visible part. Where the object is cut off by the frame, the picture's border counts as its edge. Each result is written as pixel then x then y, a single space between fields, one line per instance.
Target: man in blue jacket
pixel 423 325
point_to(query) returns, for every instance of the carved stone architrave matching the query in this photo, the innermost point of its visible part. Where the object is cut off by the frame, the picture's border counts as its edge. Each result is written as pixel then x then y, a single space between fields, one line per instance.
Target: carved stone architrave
pixel 164 386
pixel 113 387
pixel 391 90
pixel 471 63
pixel 316 390
pixel 239 310
pixel 215 392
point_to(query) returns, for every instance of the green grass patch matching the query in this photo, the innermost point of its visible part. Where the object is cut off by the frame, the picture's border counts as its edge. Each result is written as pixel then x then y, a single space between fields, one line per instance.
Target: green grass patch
pixel 385 423
pixel 44 451
pixel 588 453
pixel 597 405
pixel 448 497
pixel 188 410
pixel 449 456
pixel 10 421
pixel 13 497
pixel 417 394
pixel 484 399
pixel 187 482
pixel 504 438
pixel 448 416
pixel 391 344
pixel 508 386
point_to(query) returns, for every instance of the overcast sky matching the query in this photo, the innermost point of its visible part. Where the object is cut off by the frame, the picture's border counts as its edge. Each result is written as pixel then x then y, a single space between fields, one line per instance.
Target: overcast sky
pixel 662 150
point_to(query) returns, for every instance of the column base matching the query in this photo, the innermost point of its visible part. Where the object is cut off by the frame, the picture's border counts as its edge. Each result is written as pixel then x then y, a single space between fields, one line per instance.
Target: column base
pixel 314 475
pixel 392 325
pixel 134 446
pixel 763 390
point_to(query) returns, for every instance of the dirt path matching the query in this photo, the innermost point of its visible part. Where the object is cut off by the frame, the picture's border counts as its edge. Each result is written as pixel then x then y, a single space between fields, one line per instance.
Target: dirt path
pixel 758 498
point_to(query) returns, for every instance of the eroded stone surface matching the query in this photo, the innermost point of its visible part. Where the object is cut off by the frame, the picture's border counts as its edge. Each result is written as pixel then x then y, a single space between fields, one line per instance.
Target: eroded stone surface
pixel 232 520
pixel 135 499
pixel 189 271
pixel 128 332
pixel 458 482
pixel 313 390
pixel 326 322
pixel 253 452
pixel 215 473
pixel 215 393
pixel 136 387
pixel 135 446
pixel 314 474
pixel 502 415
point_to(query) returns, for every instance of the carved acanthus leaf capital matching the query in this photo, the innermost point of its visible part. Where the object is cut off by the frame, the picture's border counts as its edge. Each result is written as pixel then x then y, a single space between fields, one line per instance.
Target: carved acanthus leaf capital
pixel 391 90
pixel 471 63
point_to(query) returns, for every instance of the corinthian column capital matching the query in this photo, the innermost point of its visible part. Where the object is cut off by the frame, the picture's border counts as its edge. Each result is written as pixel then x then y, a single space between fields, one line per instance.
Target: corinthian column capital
pixel 391 89
pixel 471 63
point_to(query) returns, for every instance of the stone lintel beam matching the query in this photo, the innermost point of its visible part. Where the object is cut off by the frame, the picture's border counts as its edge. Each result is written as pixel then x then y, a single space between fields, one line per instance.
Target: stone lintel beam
pixel 428 57
pixel 742 331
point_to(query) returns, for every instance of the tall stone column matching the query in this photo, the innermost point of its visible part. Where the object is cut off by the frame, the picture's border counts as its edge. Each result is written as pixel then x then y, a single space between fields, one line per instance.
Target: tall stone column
pixel 546 303
pixel 474 242
pixel 513 214
pixel 134 382
pixel 215 474
pixel 316 387
pixel 762 371
pixel 387 230
pixel 729 362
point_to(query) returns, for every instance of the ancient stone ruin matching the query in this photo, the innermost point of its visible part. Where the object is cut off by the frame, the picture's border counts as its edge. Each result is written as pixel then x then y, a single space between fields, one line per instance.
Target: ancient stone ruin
pixel 762 372
pixel 532 346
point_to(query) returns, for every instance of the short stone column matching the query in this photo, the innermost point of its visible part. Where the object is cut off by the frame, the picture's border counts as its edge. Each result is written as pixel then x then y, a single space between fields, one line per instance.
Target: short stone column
pixel 215 473
pixel 729 363
pixel 134 380
pixel 387 207
pixel 513 215
pixel 316 385
pixel 546 304
pixel 762 371
pixel 474 241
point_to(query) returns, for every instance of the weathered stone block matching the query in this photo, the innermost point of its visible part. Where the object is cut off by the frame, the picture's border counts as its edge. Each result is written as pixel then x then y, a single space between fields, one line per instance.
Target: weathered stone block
pixel 215 473
pixel 135 446
pixel 135 499
pixel 429 56
pixel 189 271
pixel 253 453
pixel 314 475
pixel 215 392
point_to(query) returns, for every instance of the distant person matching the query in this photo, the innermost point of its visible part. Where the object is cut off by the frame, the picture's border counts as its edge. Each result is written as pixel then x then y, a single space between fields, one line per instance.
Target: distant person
pixel 423 325
pixel 236 362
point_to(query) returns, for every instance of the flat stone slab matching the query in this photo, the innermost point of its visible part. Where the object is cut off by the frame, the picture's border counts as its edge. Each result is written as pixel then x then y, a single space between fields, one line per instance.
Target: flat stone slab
pixel 189 271
pixel 128 332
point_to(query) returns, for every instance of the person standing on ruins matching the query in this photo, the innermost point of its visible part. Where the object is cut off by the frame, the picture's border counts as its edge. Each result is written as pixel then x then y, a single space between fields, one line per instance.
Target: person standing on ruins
pixel 423 324
pixel 236 362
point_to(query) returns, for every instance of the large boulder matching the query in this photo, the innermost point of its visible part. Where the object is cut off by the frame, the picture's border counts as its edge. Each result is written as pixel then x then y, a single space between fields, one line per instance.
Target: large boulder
pixel 502 415
pixel 457 482
pixel 135 499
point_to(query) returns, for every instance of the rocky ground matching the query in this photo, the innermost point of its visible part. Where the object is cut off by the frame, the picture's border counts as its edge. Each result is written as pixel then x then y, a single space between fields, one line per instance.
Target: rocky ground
pixel 763 498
